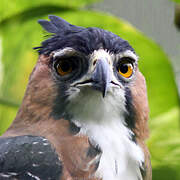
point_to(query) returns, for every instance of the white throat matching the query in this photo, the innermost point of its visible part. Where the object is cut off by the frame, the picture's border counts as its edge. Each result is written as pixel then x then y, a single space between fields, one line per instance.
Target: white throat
pixel 102 120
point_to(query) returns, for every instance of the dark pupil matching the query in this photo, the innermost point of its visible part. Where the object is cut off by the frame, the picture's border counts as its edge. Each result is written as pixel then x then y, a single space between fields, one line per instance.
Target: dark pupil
pixel 65 66
pixel 123 68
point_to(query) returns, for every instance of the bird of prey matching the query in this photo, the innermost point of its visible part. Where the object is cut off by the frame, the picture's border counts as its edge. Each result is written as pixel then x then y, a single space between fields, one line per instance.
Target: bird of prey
pixel 84 113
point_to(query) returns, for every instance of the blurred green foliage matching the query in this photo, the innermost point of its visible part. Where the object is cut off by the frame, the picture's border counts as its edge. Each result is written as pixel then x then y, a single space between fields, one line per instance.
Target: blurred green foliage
pixel 11 8
pixel 177 1
pixel 19 32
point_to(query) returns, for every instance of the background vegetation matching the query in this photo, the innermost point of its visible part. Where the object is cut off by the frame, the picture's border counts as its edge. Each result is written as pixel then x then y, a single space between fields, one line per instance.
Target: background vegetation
pixel 19 32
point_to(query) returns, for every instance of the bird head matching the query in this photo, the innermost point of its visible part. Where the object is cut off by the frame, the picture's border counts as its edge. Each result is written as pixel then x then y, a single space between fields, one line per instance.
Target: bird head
pixel 91 68
pixel 83 73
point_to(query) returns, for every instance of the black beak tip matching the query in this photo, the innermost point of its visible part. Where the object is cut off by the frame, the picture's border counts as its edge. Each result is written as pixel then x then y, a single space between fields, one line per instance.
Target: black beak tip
pixel 104 91
pixel 103 94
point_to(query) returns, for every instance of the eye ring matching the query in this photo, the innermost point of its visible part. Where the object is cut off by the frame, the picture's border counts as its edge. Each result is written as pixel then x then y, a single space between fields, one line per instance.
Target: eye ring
pixel 125 68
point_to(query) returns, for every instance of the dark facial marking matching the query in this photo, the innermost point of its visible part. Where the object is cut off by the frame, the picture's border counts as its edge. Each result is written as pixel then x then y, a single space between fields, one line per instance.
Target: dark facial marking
pixel 73 128
pixel 130 115
pixel 60 102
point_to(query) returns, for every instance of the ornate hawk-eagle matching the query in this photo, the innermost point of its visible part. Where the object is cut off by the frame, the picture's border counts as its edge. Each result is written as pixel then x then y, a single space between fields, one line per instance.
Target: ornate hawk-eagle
pixel 84 114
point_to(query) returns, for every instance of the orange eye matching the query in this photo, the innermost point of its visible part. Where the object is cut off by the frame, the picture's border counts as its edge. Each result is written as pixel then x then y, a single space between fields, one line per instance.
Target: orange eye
pixel 125 69
pixel 64 67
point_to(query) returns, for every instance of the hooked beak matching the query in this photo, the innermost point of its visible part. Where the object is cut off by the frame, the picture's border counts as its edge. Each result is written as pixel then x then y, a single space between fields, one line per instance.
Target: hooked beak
pixel 101 77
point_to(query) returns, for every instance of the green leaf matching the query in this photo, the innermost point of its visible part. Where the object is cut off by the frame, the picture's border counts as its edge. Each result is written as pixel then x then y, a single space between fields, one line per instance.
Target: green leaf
pixel 7 114
pixel 177 1
pixel 6 102
pixel 164 145
pixel 13 7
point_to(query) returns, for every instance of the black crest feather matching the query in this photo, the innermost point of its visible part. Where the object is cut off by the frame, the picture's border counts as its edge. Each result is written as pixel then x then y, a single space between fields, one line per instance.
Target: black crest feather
pixel 85 40
pixel 48 26
pixel 58 25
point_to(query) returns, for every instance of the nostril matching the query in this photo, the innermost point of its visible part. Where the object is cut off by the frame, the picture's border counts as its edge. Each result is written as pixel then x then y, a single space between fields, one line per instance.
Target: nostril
pixel 94 62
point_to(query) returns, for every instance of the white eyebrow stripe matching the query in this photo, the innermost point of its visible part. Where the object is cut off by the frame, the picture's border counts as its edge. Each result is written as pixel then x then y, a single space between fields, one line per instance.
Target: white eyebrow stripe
pixel 128 53
pixel 61 52
pixel 57 53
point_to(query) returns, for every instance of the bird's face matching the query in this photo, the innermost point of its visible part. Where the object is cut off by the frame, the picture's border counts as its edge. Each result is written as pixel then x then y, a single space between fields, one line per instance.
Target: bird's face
pixel 92 85
pixel 87 72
